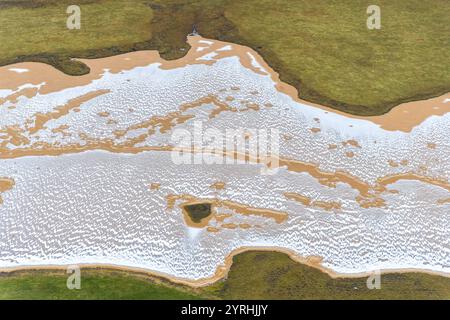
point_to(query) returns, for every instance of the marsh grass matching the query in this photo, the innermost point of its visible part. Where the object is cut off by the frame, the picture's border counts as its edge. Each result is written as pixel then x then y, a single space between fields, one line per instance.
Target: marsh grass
pixel 253 275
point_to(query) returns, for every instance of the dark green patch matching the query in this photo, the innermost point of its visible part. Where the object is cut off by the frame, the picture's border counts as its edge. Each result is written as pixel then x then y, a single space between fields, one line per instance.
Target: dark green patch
pixel 198 212
pixel 253 275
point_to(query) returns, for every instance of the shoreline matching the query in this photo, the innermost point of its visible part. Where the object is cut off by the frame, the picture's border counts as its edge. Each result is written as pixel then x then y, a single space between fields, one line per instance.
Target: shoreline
pixel 119 63
pixel 163 28
pixel 223 269
pixel 402 117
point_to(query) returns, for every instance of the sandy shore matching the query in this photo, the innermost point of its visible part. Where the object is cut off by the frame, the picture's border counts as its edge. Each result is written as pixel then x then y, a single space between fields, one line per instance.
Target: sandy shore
pixel 222 270
pixel 45 79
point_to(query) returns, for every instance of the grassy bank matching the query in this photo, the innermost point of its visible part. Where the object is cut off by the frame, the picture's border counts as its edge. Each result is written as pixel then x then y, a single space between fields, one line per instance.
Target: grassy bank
pixel 95 284
pixel 270 275
pixel 273 275
pixel 325 49
pixel 322 47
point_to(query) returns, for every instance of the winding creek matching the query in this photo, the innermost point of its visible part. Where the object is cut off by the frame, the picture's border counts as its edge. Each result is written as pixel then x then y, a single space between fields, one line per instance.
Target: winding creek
pixel 87 176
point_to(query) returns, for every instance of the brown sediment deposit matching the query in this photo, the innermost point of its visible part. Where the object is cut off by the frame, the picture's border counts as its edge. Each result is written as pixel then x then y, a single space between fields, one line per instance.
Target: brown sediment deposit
pixel 212 229
pixel 40 119
pixel 392 163
pixel 299 198
pixel 25 92
pixel 395 164
pixel 167 122
pixel 385 181
pixel 277 216
pixel 186 201
pixel 349 154
pixel 328 206
pixel 332 146
pixel 229 226
pixel 6 184
pixel 15 134
pixel 307 201
pixel 315 130
pixel 368 194
pixel 370 202
pixel 220 217
pixel 393 120
pixel 238 208
pixel 431 145
pixel 56 81
pixel 103 114
pixel 329 179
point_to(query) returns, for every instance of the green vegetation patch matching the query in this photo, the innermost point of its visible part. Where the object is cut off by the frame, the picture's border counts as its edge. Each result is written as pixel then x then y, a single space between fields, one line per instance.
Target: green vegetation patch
pixel 95 285
pixel 253 275
pixel 197 212
pixel 273 275
pixel 325 49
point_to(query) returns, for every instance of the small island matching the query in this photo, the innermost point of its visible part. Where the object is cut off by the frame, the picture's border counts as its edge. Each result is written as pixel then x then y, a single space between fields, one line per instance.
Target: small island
pixel 197 214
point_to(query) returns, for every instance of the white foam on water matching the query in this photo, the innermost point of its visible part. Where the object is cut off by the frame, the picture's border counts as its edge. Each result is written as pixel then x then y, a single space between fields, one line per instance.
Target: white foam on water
pixel 96 206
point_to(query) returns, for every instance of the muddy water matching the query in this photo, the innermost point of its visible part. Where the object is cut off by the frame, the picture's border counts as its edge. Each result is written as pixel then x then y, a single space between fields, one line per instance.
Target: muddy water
pixel 44 79
pixel 347 190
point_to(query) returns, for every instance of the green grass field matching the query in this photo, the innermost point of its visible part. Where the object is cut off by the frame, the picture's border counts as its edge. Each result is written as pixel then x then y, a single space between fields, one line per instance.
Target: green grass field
pixel 325 49
pixel 95 284
pixel 270 275
pixel 322 47
pixel 273 275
